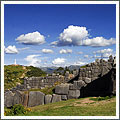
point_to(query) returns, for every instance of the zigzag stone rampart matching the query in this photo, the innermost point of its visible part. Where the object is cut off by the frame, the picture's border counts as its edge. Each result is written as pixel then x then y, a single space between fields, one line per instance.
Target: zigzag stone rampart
pixel 96 79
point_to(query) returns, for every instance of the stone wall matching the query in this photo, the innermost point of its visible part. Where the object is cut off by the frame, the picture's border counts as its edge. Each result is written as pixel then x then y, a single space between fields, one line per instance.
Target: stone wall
pixel 41 82
pixel 48 81
pixel 96 79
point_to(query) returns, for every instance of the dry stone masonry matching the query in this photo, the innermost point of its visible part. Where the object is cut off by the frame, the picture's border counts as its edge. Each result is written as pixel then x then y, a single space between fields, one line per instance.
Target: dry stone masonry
pixel 48 81
pixel 96 79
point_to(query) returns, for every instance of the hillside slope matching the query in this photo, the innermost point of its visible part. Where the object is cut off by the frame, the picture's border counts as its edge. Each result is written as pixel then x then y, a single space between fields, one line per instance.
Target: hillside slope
pixel 15 74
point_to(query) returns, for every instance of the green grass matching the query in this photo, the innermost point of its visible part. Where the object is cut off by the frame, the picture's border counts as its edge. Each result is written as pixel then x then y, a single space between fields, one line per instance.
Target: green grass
pixel 12 75
pixel 67 108
pixel 84 66
pixel 100 98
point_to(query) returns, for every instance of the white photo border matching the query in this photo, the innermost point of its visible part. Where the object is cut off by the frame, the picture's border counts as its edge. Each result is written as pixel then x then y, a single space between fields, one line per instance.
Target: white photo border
pixel 59 2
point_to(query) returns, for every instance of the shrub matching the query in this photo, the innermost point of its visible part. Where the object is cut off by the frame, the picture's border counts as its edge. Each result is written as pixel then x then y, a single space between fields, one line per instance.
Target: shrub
pixel 100 98
pixel 16 109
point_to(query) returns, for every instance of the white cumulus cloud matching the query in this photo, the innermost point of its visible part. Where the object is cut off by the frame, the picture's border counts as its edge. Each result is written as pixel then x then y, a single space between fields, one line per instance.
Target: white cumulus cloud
pixel 72 36
pixel 47 51
pixel 99 42
pixel 63 51
pixel 34 38
pixel 33 60
pixel 11 49
pixel 105 53
pixel 77 35
pixel 58 61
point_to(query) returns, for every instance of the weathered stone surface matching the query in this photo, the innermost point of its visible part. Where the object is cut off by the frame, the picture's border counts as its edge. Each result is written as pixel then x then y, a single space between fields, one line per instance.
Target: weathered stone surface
pixel 35 98
pixel 83 74
pixel 94 78
pixel 87 80
pixel 62 89
pixel 81 83
pixel 87 74
pixel 64 97
pixel 88 68
pixel 75 85
pixel 73 94
pixel 96 70
pixel 80 78
pixel 71 87
pixel 25 100
pixel 56 98
pixel 80 75
pixel 18 97
pixel 8 98
pixel 48 99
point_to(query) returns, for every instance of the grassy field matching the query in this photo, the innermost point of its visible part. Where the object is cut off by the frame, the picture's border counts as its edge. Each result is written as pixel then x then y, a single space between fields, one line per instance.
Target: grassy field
pixel 76 107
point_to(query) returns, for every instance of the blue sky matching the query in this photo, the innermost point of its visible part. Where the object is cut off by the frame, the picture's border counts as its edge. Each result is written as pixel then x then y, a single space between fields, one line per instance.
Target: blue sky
pixel 58 35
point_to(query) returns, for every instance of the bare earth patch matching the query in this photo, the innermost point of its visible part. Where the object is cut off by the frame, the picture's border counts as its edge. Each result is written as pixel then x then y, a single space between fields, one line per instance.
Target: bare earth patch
pixel 83 102
pixel 58 106
pixel 87 101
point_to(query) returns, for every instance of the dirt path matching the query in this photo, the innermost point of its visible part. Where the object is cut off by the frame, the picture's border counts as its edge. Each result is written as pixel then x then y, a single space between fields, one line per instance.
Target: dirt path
pixel 23 75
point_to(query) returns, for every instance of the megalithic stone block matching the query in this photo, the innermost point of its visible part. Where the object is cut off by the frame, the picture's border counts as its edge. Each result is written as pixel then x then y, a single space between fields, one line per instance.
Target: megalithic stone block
pixel 35 98
pixel 18 97
pixel 48 99
pixel 81 84
pixel 56 98
pixel 87 80
pixel 62 89
pixel 8 99
pixel 73 94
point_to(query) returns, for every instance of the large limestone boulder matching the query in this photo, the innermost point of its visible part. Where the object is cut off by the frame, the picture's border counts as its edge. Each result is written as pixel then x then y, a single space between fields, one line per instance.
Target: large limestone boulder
pixel 81 84
pixel 77 85
pixel 87 80
pixel 56 98
pixel 48 99
pixel 73 94
pixel 35 98
pixel 18 97
pixel 8 99
pixel 62 89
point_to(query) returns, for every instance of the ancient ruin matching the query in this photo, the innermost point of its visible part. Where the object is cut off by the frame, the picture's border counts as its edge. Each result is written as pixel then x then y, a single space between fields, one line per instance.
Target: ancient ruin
pixel 95 79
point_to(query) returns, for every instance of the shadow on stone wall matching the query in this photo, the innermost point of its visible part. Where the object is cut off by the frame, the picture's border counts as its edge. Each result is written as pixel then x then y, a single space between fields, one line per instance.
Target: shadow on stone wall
pixel 73 79
pixel 102 86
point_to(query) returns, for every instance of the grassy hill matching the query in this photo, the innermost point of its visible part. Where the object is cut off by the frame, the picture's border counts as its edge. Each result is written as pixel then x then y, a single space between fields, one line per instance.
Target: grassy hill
pixel 76 107
pixel 15 74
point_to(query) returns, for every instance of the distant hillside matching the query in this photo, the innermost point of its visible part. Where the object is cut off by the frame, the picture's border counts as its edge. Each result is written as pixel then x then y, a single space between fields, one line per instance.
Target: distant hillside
pixel 73 67
pixel 34 71
pixel 15 74
pixel 48 70
pixel 53 69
